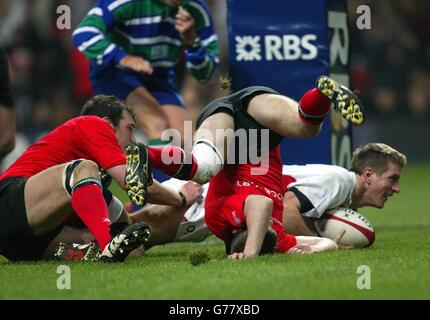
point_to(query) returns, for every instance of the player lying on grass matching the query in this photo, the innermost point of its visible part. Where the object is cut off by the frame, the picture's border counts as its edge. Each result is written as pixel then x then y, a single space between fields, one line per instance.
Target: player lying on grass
pixel 61 173
pixel 249 193
pixel 246 187
pixel 170 224
pixel 310 191
pixel 167 224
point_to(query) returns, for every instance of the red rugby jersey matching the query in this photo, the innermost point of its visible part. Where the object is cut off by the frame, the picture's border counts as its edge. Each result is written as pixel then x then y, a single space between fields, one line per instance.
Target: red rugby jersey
pixel 86 137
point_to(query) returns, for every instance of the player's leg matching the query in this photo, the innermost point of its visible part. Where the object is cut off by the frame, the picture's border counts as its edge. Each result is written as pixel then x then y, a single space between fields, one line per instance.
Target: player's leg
pixel 128 86
pixel 163 220
pixel 76 186
pixel 176 119
pixel 212 142
pixel 68 235
pixel 65 187
pixel 217 129
pixel 166 93
pixel 206 159
pixel 303 119
pixel 280 114
pixel 151 118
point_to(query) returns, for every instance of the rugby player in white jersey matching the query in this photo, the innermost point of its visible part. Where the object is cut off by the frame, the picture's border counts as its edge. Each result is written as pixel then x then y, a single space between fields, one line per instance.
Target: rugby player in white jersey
pixel 310 190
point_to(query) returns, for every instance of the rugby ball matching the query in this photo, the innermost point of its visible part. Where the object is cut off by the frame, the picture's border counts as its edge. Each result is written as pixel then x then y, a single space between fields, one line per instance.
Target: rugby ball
pixel 359 232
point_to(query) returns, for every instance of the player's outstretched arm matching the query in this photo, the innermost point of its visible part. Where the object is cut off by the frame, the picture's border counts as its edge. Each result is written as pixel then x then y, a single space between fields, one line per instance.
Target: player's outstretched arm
pixel 160 194
pixel 309 245
pixel 292 219
pixel 157 193
pixel 258 212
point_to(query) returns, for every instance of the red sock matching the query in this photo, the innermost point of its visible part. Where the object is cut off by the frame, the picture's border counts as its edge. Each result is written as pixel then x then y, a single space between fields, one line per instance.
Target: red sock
pixel 173 164
pixel 314 106
pixel 90 206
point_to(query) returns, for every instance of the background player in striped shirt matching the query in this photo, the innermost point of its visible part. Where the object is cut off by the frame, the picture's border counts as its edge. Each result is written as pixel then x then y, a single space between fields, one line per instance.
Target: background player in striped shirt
pixel 134 45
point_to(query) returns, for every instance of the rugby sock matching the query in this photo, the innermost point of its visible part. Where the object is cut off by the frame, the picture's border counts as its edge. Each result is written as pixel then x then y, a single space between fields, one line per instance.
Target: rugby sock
pixel 314 107
pixel 173 161
pixel 210 161
pixel 90 206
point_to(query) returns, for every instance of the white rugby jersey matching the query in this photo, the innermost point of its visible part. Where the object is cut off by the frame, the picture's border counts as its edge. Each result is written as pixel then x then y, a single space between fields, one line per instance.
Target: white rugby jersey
pixel 326 186
pixel 194 228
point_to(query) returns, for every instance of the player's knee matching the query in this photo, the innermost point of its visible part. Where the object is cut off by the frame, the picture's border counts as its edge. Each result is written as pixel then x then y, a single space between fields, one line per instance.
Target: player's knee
pixel 158 124
pixel 87 168
pixel 209 160
pixel 77 171
pixel 309 130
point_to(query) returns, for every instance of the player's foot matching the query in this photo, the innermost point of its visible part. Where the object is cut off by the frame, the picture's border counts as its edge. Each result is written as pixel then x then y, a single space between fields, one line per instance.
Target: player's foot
pixel 77 252
pixel 125 241
pixel 138 175
pixel 344 100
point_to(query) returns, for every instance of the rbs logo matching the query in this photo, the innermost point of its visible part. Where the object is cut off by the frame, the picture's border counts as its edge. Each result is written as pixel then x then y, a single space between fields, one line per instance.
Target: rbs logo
pixel 274 47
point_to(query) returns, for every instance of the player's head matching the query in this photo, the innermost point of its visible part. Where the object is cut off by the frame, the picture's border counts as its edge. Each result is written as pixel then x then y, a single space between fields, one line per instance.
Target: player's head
pixel 118 114
pixel 237 243
pixel 379 165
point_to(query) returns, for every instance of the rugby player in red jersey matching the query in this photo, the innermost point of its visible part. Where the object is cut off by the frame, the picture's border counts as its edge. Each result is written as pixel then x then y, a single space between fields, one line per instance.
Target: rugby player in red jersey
pixel 61 173
pixel 246 187
pixel 247 193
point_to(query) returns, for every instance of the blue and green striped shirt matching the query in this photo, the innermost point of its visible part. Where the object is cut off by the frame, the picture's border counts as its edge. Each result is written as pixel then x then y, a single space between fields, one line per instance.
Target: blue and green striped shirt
pixel 146 28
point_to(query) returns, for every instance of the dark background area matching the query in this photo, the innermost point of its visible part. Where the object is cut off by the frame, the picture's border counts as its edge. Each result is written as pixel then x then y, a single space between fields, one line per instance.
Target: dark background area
pixel 390 66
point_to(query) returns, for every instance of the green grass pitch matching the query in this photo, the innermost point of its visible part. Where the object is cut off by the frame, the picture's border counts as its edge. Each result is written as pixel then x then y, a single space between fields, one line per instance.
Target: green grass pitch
pixel 399 262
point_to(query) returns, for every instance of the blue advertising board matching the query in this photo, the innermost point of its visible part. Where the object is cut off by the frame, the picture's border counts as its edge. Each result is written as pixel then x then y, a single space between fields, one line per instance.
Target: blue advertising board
pixel 285 45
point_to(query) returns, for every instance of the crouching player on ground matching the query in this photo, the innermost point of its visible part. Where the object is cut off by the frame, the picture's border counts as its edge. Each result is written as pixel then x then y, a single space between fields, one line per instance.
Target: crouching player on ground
pixel 167 223
pixel 241 195
pixel 248 195
pixel 235 190
pixel 310 190
pixel 171 224
pixel 61 173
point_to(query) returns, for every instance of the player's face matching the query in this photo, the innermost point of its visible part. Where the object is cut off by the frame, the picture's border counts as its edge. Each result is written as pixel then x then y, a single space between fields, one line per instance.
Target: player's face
pixel 125 130
pixel 384 185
